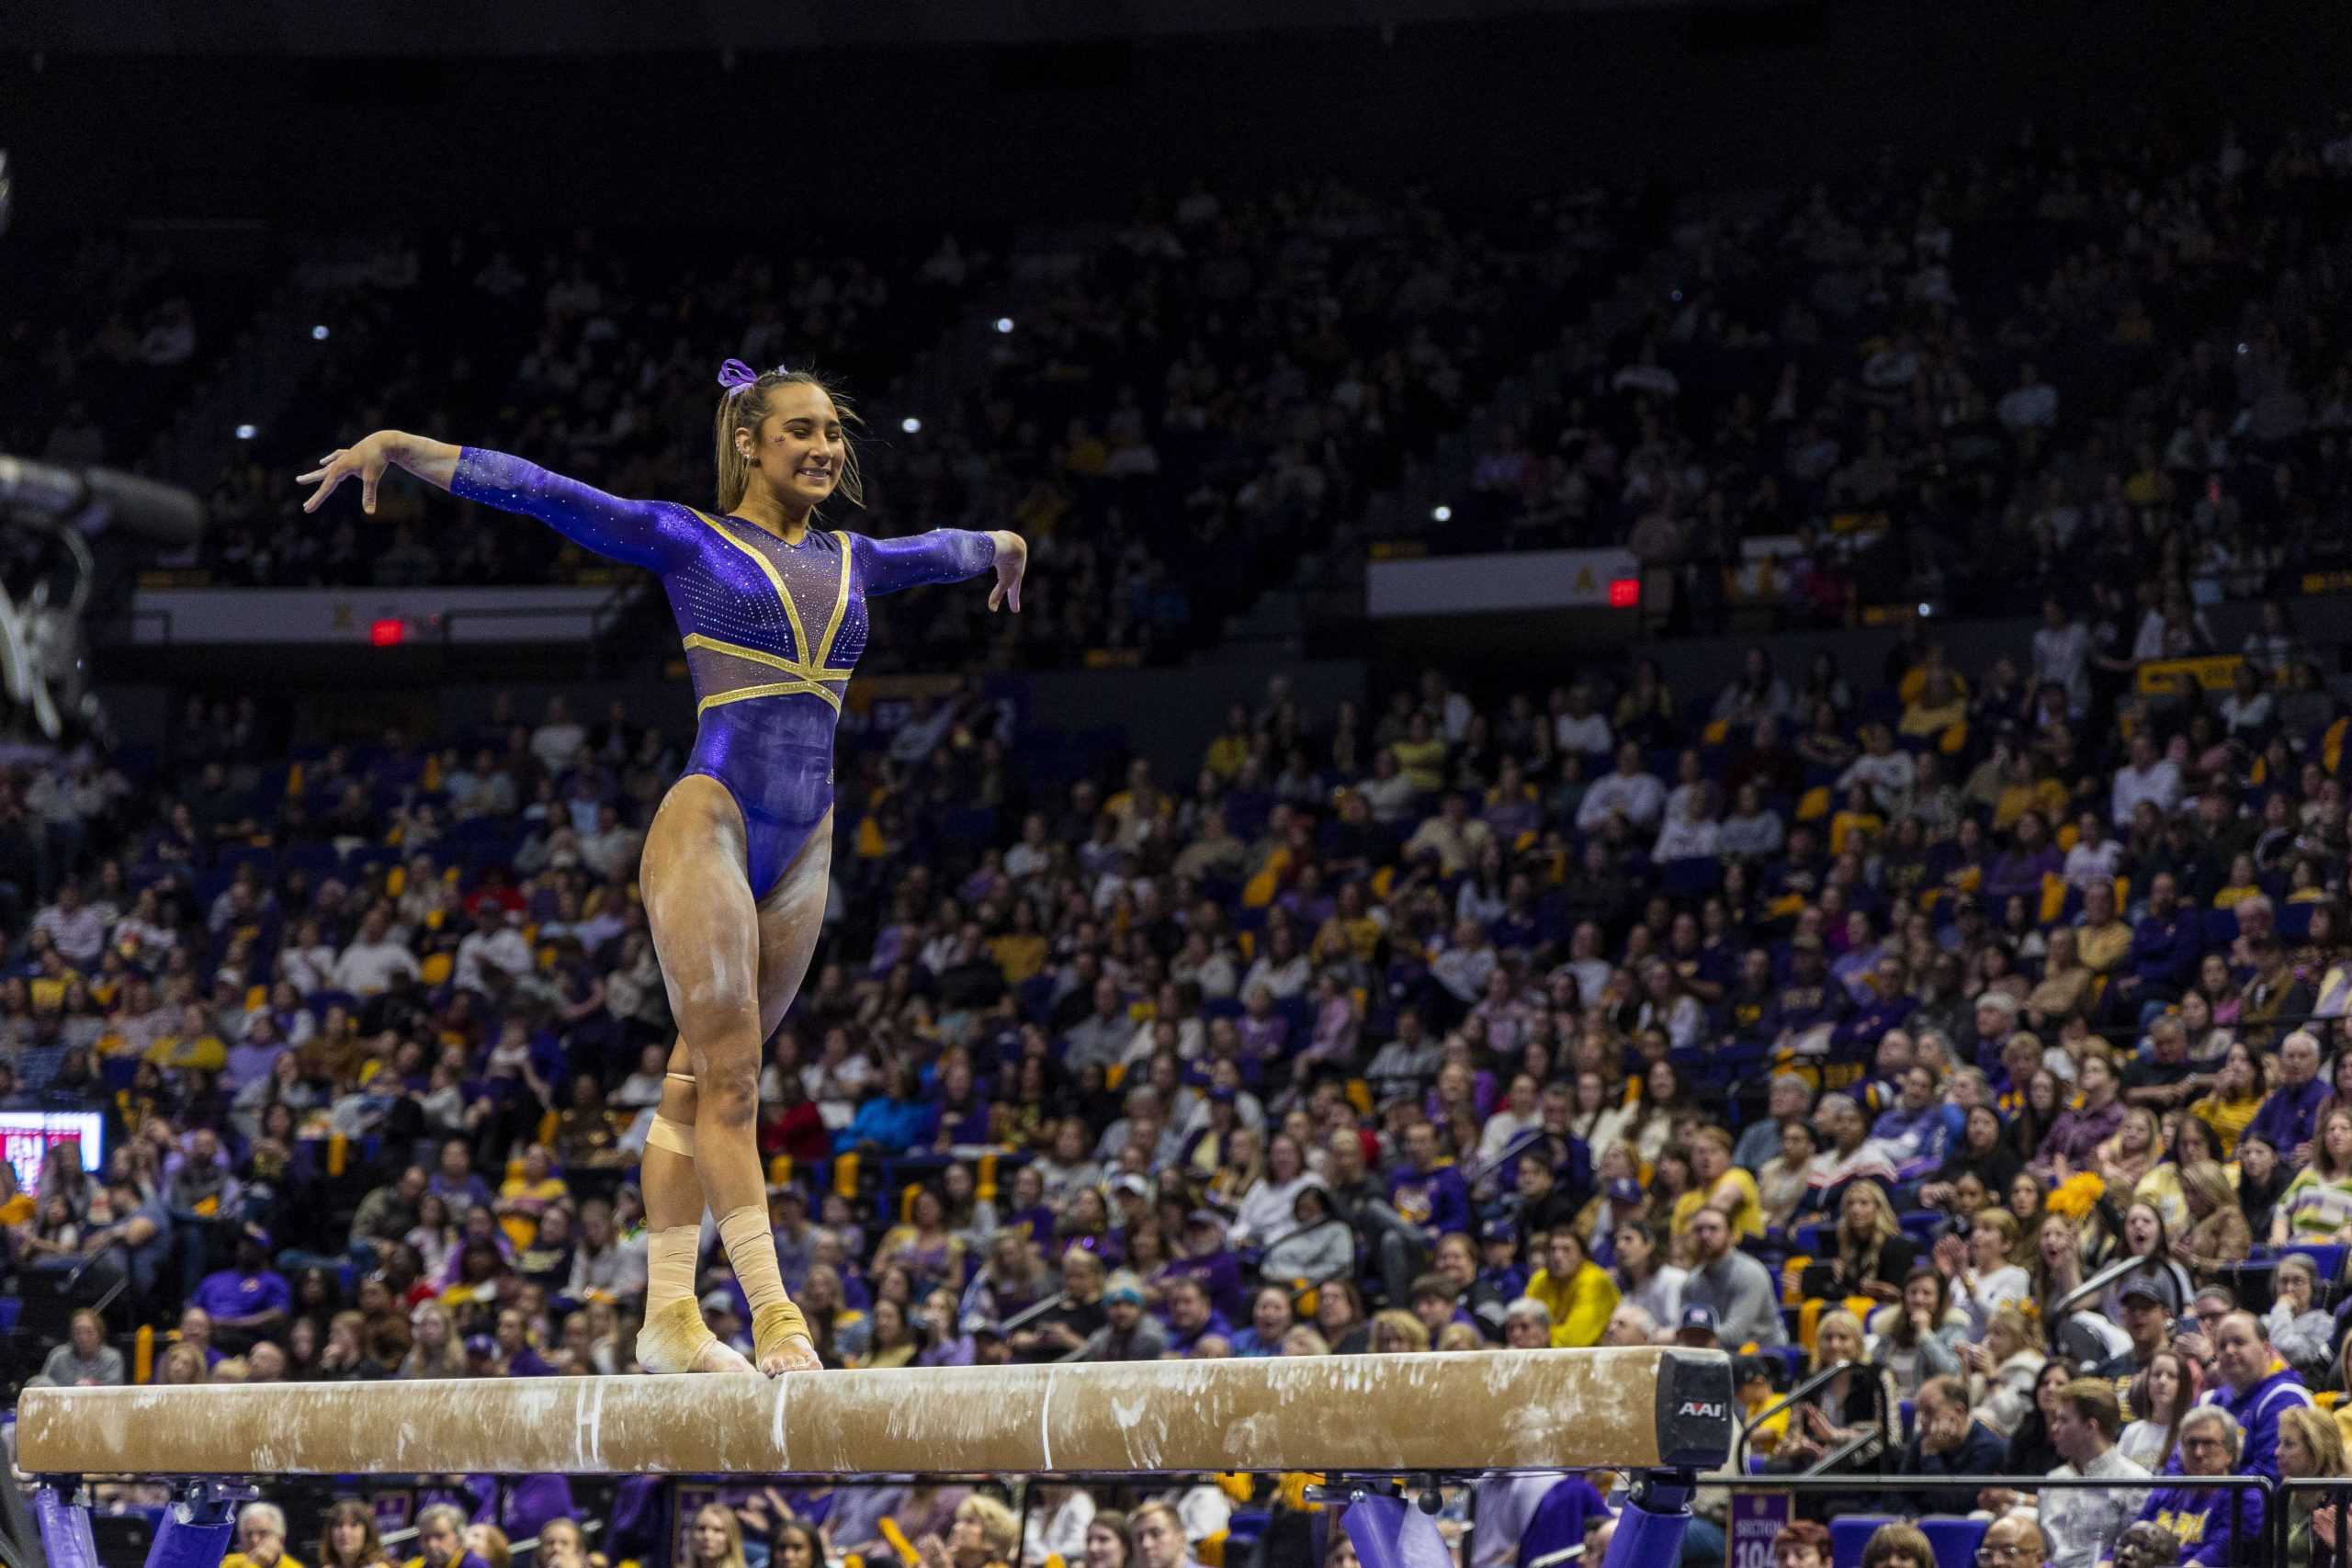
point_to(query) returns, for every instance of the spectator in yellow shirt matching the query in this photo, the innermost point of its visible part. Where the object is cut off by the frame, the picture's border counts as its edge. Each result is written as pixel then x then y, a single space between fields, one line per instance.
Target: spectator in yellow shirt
pixel 1575 1291
pixel 192 1044
pixel 2101 940
pixel 1718 1184
pixel 1420 756
pixel 1233 745
pixel 1941 703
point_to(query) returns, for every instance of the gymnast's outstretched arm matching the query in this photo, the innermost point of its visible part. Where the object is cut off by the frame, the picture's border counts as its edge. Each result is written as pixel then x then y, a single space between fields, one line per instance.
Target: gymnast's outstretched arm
pixel 944 555
pixel 638 532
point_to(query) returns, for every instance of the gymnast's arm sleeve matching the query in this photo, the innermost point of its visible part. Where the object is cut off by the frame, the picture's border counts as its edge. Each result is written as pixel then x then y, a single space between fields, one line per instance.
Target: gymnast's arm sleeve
pixel 944 555
pixel 638 532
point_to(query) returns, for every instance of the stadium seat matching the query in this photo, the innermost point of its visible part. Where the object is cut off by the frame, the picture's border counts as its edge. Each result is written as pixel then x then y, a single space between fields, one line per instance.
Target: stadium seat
pixel 1850 1534
pixel 2326 1256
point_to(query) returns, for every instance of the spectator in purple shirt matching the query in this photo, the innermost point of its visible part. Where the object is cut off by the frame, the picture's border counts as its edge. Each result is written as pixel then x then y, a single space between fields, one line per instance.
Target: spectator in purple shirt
pixel 515 1347
pixel 1428 1195
pixel 2078 1131
pixel 250 1300
pixel 2018 871
pixel 1263 1030
pixel 454 1181
pixel 1191 1318
pixel 1205 1258
pixel 2286 1118
pixel 2166 946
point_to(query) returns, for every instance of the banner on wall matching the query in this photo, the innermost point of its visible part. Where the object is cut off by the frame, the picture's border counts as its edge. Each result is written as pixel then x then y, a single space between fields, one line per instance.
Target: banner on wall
pixel 1756 1518
pixel 1526 580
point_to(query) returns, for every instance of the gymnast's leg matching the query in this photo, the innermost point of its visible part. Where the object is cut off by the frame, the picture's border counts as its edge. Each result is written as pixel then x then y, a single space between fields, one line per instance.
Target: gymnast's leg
pixel 675 1338
pixel 706 932
pixel 792 917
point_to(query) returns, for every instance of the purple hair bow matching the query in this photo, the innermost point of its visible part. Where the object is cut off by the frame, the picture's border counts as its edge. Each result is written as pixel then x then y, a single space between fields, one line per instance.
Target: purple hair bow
pixel 735 373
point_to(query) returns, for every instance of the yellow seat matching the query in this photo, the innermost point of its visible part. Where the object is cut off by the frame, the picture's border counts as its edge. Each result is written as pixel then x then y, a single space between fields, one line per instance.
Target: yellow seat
pixel 1809 1313
pixel 1792 1271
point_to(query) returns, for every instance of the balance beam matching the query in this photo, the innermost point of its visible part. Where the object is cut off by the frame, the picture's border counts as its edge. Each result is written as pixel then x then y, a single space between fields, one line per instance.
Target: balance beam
pixel 1493 1411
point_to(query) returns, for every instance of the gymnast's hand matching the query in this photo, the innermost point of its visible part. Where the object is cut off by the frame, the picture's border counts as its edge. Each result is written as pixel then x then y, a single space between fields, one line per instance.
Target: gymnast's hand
pixel 368 460
pixel 1012 560
pixel 435 462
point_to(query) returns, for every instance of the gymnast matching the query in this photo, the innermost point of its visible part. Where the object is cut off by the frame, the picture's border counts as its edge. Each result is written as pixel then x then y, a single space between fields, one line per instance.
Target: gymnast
pixel 735 864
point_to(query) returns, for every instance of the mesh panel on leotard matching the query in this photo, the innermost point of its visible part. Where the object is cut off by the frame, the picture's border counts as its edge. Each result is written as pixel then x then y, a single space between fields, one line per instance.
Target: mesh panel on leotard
pixel 721 674
pixel 739 592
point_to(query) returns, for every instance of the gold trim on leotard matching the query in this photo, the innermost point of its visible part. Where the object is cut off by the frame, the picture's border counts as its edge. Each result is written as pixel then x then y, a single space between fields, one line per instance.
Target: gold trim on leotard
pixel 841 603
pixel 774 689
pixel 760 656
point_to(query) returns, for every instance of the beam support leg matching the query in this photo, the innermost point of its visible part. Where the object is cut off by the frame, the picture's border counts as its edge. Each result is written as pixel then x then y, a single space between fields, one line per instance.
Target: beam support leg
pixel 199 1526
pixel 64 1529
pixel 1651 1524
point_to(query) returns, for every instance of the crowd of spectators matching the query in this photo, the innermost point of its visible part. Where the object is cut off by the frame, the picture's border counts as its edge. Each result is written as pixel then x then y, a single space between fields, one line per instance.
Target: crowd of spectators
pixel 2106 360
pixel 1861 1021
pixel 1442 1023
pixel 84 320
pixel 1177 405
pixel 2112 358
pixel 592 353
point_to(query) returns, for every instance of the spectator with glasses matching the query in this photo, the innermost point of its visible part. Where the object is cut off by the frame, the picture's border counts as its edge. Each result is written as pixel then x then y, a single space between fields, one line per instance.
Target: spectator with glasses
pixel 2216 1525
pixel 2013 1541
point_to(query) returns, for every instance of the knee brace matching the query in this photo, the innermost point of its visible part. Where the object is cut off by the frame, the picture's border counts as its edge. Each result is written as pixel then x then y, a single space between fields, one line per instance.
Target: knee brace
pixel 677 1137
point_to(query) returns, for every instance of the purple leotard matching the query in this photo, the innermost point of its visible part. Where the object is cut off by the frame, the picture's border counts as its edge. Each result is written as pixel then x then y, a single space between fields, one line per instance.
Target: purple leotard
pixel 761 619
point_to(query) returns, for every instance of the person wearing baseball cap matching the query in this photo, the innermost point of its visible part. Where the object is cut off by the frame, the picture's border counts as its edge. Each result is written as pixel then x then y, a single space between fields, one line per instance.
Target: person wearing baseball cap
pixel 1699 1328
pixel 1498 1268
pixel 2148 1300
pixel 990 1348
pixel 249 1299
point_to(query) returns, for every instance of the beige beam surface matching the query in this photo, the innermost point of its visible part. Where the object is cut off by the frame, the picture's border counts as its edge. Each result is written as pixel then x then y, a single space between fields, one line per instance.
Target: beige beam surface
pixel 1498 1410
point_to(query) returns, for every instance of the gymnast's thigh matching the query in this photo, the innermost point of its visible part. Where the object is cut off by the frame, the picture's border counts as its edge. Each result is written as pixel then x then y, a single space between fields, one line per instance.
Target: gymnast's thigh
pixel 791 918
pixel 705 927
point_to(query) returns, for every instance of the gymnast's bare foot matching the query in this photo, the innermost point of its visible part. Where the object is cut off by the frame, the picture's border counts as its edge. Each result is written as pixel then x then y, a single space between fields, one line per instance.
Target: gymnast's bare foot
pixel 797 1354
pixel 675 1339
pixel 720 1357
pixel 781 1342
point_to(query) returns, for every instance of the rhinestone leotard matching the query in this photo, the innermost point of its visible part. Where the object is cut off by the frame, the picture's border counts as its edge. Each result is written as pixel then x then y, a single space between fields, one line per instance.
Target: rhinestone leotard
pixel 772 630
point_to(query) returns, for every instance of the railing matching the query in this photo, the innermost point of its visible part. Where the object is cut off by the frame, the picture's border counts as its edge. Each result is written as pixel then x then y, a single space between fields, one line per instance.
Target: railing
pixel 2265 1546
pixel 1877 1384
pixel 2097 1282
pixel 2334 1493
